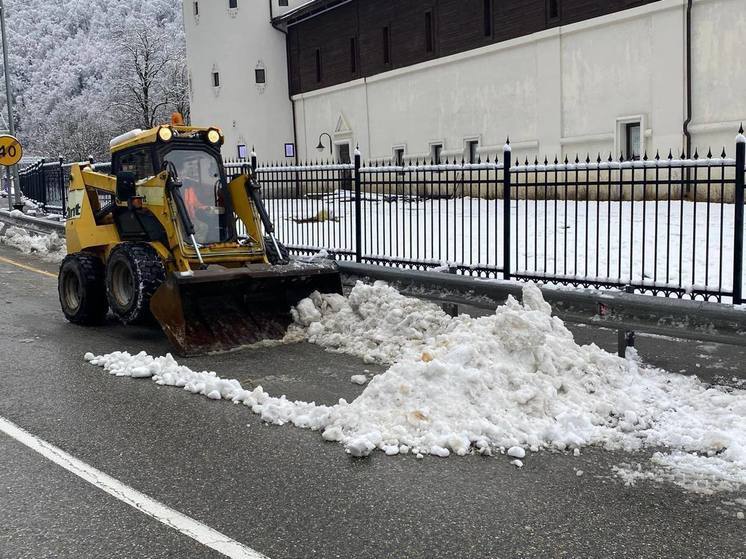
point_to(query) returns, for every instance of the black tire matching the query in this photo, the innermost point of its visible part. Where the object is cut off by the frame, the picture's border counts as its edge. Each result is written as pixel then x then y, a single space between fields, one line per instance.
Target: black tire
pixel 133 273
pixel 82 289
pixel 272 255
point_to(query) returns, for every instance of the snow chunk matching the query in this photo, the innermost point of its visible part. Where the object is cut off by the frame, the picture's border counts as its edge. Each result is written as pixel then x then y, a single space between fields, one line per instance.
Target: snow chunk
pixel 516 452
pixel 358 379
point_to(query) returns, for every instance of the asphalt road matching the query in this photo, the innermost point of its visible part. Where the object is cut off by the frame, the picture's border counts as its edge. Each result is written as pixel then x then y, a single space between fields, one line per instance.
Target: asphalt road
pixel 284 491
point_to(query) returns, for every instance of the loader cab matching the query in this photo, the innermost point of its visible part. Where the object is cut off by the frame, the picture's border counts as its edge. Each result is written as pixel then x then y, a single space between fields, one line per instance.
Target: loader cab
pixel 200 169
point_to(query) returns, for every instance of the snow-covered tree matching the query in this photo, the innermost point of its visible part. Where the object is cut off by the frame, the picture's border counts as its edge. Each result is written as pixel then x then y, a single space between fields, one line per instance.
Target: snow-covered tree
pixel 84 72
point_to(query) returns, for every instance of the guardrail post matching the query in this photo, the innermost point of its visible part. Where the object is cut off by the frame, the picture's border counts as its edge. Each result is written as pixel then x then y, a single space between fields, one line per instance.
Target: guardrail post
pixel 625 338
pixel 507 194
pixel 738 241
pixel 358 208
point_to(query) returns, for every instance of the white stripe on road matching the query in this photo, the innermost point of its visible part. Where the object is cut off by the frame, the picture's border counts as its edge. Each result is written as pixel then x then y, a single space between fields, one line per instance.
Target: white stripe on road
pixel 168 516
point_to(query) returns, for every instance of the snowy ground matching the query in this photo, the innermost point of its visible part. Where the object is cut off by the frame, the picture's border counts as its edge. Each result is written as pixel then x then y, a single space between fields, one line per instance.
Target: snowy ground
pixel 50 247
pixel 514 382
pixel 549 237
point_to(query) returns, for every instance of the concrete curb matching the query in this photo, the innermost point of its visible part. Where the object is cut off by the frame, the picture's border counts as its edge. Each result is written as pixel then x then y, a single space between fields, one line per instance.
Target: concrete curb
pixel 32 223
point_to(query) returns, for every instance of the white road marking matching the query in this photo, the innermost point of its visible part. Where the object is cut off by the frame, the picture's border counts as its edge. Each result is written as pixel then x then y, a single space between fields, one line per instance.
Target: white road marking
pixel 168 516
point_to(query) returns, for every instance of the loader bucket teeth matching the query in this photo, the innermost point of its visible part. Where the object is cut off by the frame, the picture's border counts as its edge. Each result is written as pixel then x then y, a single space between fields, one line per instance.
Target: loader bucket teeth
pixel 225 309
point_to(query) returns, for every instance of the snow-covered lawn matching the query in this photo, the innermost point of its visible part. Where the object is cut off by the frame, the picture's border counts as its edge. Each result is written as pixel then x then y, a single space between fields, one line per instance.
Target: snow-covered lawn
pixel 618 241
pixel 50 247
pixel 514 382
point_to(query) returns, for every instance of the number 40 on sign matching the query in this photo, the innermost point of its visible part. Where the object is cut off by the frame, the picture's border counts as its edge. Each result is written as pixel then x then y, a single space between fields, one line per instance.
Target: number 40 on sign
pixel 11 151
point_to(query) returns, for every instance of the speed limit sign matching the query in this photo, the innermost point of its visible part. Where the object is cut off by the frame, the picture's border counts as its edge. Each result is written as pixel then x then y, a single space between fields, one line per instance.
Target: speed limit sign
pixel 11 151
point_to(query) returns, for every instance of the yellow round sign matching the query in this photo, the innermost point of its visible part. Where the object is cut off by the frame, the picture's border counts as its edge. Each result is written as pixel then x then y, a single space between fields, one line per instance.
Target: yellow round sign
pixel 11 151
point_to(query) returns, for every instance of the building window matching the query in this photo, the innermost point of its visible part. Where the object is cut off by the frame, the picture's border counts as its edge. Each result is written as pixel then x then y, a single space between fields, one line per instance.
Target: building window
pixel 196 8
pixel 353 55
pixel 386 45
pixel 216 79
pixel 553 11
pixel 283 3
pixel 232 4
pixel 318 65
pixel 260 75
pixel 472 147
pixel 632 140
pixel 429 42
pixel 487 17
pixel 435 153
pixel 399 157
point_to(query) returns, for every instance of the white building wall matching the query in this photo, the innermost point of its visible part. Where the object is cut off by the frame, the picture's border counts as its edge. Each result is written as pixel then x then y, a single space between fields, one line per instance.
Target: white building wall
pixel 235 43
pixel 563 92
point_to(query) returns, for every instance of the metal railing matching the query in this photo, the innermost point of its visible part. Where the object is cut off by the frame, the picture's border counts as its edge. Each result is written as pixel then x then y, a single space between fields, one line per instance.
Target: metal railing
pixel 662 225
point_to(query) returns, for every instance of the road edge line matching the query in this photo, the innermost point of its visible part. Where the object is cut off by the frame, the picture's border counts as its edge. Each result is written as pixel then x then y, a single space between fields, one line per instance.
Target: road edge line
pixel 182 523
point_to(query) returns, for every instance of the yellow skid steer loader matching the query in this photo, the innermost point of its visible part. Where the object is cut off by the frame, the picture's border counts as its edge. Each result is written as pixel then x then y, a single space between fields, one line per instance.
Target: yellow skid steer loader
pixel 161 237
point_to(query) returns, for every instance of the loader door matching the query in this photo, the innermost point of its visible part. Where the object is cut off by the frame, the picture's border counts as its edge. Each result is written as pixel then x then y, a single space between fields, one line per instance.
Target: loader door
pixel 203 191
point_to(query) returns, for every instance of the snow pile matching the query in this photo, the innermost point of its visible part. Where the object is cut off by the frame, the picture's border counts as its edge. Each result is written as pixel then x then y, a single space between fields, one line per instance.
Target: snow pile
pixel 51 247
pixel 513 381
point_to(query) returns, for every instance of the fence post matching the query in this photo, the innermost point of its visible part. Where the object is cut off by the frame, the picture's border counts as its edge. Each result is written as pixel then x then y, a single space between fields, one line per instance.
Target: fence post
pixel 738 242
pixel 42 192
pixel 63 187
pixel 253 160
pixel 507 164
pixel 358 209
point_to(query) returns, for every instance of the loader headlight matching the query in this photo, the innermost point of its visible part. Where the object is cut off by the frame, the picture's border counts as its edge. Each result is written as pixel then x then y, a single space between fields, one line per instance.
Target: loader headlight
pixel 165 134
pixel 213 136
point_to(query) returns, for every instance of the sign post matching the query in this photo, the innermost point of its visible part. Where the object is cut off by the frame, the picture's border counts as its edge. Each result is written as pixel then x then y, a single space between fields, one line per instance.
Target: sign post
pixel 18 203
pixel 11 153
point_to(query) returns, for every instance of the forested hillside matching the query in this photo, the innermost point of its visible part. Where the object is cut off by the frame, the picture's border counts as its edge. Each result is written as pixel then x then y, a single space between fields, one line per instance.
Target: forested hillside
pixel 86 70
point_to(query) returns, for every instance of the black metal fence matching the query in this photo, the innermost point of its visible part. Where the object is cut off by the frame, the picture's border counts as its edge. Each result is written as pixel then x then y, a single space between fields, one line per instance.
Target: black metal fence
pixel 662 225
pixel 45 183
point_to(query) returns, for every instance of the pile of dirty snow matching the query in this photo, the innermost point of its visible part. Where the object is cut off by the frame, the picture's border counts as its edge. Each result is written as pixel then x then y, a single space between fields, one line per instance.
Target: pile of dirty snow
pixel 513 381
pixel 51 247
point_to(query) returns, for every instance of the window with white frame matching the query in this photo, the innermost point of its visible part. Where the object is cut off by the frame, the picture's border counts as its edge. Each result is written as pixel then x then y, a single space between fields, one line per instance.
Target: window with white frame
pixel 232 4
pixel 472 151
pixel 215 79
pixel 436 151
pixel 399 157
pixel 632 140
pixel 195 6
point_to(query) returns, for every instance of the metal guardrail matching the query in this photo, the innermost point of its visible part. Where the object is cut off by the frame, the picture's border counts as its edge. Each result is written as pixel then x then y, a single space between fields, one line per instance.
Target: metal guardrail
pixel 624 312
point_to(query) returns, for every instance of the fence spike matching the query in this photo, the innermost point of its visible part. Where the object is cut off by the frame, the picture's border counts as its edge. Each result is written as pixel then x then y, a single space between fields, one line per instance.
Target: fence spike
pixel 598 159
pixel 657 155
pixel 587 158
pixel 740 130
pixel 526 160
pixel 709 153
pixel 611 157
pixel 536 159
pixel 670 154
pixel 507 141
pixel 723 154
pixel 621 156
pixel 577 159
pixel 556 160
pixel 683 155
pixel 645 156
pixel 696 153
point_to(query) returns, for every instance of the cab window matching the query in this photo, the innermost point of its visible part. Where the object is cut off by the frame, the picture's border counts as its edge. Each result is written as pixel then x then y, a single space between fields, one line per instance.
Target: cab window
pixel 139 162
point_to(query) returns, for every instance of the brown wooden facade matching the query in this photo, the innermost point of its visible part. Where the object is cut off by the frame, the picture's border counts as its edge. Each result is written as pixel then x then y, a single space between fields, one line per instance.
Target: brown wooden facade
pixel 361 38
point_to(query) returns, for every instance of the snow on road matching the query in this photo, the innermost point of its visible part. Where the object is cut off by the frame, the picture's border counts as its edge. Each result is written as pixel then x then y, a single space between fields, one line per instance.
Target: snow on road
pixel 50 247
pixel 515 381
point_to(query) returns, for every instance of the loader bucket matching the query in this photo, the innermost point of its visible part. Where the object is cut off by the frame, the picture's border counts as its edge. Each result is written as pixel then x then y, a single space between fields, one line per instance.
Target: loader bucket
pixel 220 309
